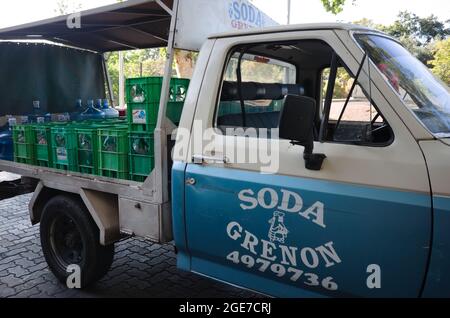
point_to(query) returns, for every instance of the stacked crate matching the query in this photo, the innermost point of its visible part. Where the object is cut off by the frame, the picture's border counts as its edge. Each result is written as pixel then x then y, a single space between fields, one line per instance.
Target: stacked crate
pixel 113 154
pixel 64 147
pixel 143 99
pixel 87 148
pixel 42 145
pixel 23 144
pixel 142 159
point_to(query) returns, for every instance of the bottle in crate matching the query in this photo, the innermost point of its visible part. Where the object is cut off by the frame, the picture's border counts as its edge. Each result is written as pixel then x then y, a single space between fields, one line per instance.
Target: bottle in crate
pixel 113 144
pixel 64 147
pixel 110 113
pixel 76 115
pixel 42 145
pixel 88 149
pixel 141 161
pixel 6 141
pixel 92 113
pixel 23 144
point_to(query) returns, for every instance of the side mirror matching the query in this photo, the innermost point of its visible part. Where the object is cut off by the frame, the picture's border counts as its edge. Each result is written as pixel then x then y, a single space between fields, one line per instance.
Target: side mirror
pixel 297 125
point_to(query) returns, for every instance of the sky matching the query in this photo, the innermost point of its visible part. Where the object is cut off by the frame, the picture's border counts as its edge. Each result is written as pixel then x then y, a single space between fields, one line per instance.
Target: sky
pixel 14 12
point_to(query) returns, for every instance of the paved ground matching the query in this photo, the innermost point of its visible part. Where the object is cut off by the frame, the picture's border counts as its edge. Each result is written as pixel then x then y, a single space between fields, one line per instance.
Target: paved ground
pixel 140 269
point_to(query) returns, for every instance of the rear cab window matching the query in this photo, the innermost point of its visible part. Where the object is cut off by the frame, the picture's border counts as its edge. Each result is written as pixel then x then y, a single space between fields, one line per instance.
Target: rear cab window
pixel 262 81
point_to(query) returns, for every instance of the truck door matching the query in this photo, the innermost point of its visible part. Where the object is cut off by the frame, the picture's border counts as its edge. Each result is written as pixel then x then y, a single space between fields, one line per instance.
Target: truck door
pixel 257 218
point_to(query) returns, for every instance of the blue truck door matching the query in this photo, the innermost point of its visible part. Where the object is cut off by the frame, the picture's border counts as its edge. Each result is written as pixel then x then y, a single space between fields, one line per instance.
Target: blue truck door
pixel 358 227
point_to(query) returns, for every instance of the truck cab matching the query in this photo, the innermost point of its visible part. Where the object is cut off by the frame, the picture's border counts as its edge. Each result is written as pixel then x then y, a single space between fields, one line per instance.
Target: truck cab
pixel 284 185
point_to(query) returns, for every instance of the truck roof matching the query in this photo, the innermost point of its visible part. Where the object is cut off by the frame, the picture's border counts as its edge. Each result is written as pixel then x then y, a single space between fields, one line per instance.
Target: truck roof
pixel 296 27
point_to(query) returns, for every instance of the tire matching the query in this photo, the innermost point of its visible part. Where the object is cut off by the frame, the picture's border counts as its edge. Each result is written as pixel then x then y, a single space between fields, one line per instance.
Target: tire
pixel 69 236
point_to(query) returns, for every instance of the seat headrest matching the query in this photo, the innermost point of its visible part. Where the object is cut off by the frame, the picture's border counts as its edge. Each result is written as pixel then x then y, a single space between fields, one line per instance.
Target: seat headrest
pixel 257 91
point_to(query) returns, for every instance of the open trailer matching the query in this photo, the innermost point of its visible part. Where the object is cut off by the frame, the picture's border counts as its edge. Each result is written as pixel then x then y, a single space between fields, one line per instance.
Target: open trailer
pixel 365 216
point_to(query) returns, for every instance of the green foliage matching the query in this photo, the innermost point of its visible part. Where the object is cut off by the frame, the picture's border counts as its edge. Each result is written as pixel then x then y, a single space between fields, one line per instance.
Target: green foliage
pixel 421 30
pixel 137 63
pixel 342 86
pixel 256 72
pixel 422 37
pixel 441 60
pixel 333 6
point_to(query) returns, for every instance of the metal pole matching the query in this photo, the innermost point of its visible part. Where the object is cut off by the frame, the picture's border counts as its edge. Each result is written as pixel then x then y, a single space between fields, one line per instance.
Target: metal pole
pixel 108 81
pixel 121 80
pixel 158 184
pixel 288 12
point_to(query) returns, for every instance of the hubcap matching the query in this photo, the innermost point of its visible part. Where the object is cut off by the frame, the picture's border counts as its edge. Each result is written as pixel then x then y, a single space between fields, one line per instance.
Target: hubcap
pixel 67 245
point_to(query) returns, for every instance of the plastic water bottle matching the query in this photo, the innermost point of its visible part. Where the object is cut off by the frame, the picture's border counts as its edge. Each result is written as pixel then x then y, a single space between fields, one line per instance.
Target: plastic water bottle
pixel 140 146
pixel 76 115
pixel 92 113
pixel 6 141
pixel 110 112
pixel 38 115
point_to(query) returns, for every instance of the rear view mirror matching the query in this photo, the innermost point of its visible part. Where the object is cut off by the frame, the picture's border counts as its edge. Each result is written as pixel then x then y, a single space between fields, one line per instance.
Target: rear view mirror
pixel 297 125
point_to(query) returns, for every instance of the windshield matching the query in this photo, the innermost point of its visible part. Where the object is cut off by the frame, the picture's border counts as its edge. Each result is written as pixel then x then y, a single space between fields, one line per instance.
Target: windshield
pixel 424 94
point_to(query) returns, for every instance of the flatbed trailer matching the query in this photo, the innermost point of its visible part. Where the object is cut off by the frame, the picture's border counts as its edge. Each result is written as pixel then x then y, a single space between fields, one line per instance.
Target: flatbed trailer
pixel 136 24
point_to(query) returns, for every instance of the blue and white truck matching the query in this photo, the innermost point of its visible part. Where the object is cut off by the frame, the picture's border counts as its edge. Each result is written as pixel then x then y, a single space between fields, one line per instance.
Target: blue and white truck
pixel 278 185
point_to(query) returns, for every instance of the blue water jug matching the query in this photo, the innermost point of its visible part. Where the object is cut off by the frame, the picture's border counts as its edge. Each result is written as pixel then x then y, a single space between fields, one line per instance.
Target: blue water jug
pixel 92 113
pixel 38 115
pixel 76 115
pixel 110 112
pixel 6 141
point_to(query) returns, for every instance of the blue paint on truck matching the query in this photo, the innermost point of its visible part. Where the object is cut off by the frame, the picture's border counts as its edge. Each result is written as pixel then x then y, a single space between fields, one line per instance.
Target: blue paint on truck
pixel 438 278
pixel 296 237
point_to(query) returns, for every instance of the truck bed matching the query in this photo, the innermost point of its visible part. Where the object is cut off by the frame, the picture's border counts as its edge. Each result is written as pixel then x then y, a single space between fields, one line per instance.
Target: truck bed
pixel 73 181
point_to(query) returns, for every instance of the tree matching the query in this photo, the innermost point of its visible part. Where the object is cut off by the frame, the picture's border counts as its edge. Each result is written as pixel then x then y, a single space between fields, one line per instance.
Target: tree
pixel 416 34
pixel 422 30
pixel 334 6
pixel 441 60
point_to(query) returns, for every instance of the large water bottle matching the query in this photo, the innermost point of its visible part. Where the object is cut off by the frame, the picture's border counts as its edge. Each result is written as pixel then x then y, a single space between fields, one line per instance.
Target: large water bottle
pixel 92 113
pixel 38 116
pixel 6 141
pixel 76 115
pixel 110 112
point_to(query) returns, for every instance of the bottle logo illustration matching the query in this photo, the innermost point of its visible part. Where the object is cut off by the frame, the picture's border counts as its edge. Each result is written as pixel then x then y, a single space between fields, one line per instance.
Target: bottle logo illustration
pixel 278 231
pixel 139 116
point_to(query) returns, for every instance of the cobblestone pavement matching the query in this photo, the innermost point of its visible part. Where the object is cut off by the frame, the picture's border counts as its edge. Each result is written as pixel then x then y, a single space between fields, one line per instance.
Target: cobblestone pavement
pixel 140 269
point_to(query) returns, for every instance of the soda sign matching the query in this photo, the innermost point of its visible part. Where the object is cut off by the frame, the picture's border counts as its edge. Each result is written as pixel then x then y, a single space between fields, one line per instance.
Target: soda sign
pixel 244 15
pixel 199 19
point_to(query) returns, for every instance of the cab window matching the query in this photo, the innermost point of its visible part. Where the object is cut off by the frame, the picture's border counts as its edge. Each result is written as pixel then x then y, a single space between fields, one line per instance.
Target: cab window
pixel 260 82
pixel 258 77
pixel 353 118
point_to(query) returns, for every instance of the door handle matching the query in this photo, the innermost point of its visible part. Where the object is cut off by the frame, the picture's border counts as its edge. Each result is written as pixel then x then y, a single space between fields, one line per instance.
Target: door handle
pixel 191 181
pixel 201 159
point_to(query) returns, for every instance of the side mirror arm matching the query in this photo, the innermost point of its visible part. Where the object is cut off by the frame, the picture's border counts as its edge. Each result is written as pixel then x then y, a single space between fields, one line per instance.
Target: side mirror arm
pixel 313 161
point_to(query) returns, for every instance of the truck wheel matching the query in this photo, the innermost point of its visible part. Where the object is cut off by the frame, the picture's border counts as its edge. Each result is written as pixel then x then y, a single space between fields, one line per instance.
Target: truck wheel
pixel 69 236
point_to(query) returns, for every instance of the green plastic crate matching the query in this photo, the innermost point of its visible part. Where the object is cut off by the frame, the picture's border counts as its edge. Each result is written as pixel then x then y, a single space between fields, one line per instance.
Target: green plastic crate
pixel 142 160
pixel 64 147
pixel 23 144
pixel 113 145
pixel 148 89
pixel 42 145
pixel 143 97
pixel 143 117
pixel 174 111
pixel 87 149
